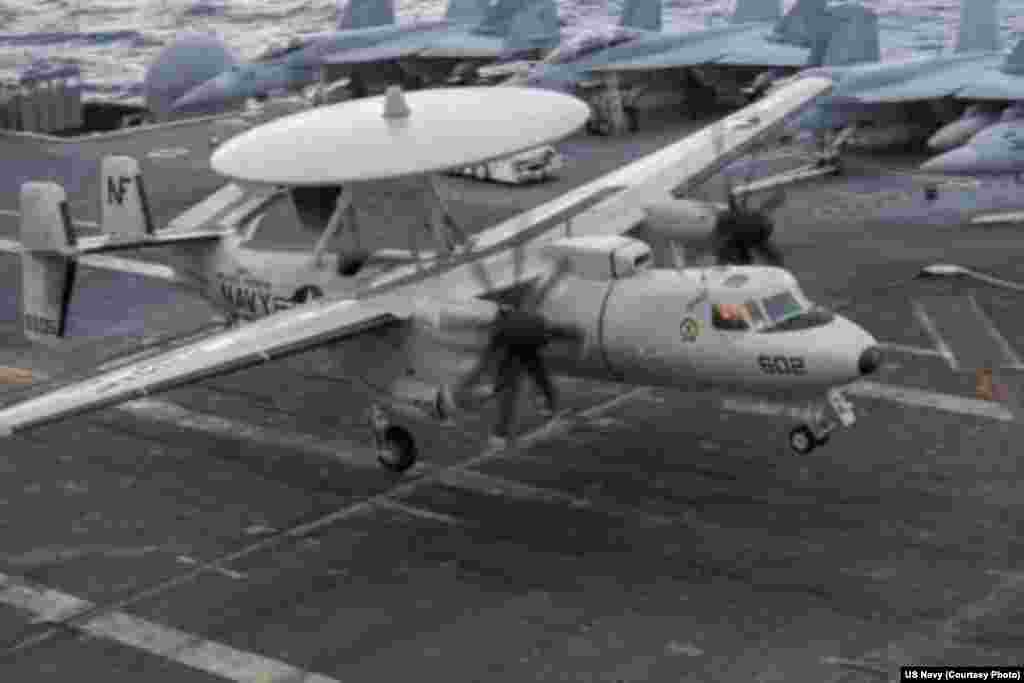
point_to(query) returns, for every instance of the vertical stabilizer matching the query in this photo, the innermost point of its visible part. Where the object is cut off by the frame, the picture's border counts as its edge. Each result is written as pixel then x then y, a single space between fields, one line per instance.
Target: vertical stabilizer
pixel 466 11
pixel 124 209
pixel 365 14
pixel 756 10
pixel 524 24
pixel 1014 63
pixel 804 23
pixel 853 38
pixel 641 14
pixel 979 26
pixel 47 265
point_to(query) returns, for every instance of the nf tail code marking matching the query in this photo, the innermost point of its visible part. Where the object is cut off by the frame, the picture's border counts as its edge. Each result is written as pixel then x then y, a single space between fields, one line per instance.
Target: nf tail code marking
pixel 116 189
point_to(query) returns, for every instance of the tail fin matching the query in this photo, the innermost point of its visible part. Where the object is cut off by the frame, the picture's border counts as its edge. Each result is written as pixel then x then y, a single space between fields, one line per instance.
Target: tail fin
pixel 47 268
pixel 124 210
pixel 804 23
pixel 756 10
pixel 852 40
pixel 524 24
pixel 1014 62
pixel 365 14
pixel 979 26
pixel 641 14
pixel 466 11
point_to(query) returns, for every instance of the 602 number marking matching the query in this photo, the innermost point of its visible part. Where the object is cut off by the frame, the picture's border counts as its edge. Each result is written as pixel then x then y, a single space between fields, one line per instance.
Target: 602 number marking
pixel 782 365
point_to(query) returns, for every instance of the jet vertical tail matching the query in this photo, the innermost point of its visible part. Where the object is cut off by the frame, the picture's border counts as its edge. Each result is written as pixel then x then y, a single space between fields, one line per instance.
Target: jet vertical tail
pixel 1014 62
pixel 641 14
pixel 524 24
pixel 756 10
pixel 852 40
pixel 47 263
pixel 124 209
pixel 979 26
pixel 804 23
pixel 365 14
pixel 466 11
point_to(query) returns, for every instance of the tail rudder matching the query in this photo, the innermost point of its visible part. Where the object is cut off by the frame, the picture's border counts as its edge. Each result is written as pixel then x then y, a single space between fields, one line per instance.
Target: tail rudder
pixel 466 11
pixel 803 25
pixel 524 24
pixel 642 14
pixel 124 208
pixel 853 39
pixel 47 263
pixel 979 26
pixel 366 14
pixel 756 10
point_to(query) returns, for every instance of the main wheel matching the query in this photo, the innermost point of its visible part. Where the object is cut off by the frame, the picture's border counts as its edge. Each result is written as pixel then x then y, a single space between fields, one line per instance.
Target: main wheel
pixel 802 440
pixel 397 449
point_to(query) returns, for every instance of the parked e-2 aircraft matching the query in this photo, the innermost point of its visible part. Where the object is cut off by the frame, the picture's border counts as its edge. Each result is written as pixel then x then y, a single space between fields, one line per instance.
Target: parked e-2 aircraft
pixel 562 286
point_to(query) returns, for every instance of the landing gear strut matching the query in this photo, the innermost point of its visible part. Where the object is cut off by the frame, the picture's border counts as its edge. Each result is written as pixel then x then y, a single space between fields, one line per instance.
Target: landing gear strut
pixel 803 439
pixel 396 448
pixel 806 437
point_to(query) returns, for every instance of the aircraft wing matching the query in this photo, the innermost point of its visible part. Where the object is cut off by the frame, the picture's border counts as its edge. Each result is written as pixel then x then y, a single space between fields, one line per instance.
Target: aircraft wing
pixel 944 82
pixel 993 84
pixel 614 203
pixel 464 46
pixel 369 55
pixel 105 262
pixel 681 57
pixel 282 334
pixel 767 54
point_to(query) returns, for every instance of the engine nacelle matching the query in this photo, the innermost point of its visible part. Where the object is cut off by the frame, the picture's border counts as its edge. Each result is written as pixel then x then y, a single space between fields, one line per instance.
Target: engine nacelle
pixel 683 220
pixel 601 257
pixel 457 325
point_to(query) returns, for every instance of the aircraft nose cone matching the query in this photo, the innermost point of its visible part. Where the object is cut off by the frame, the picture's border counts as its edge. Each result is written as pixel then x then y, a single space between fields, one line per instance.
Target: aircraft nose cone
pixel 961 160
pixel 870 360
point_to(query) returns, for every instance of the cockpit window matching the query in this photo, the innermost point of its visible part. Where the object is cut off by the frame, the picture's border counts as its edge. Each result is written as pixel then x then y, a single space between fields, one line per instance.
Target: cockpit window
pixel 732 316
pixel 589 42
pixel 781 306
pixel 816 317
pixel 282 49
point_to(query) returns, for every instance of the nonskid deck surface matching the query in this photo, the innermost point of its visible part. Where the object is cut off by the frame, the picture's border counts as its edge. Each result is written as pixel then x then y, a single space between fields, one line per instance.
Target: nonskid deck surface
pixel 644 536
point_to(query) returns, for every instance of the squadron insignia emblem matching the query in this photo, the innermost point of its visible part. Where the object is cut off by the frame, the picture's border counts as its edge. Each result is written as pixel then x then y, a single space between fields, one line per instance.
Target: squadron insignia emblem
pixel 689 329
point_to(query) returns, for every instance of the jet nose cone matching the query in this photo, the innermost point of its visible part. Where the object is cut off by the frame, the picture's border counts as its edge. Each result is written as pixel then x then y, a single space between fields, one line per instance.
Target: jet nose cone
pixel 870 360
pixel 961 160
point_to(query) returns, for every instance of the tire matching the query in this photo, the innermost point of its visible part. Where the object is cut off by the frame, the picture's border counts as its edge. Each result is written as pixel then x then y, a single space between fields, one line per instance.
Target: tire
pixel 802 440
pixel 397 450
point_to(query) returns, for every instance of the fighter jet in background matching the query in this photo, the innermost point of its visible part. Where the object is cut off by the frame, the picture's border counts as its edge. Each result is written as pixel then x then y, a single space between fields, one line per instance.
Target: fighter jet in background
pixel 472 33
pixel 757 47
pixel 900 102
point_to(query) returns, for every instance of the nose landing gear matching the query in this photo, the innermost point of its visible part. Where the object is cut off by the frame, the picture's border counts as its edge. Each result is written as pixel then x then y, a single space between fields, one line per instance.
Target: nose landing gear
pixel 396 448
pixel 806 437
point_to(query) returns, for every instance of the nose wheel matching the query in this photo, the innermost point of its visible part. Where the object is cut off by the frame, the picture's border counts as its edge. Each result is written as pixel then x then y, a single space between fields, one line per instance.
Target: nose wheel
pixel 803 440
pixel 396 448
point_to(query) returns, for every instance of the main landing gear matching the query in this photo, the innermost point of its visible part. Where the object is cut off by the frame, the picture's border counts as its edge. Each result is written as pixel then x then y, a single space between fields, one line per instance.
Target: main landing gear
pixel 806 437
pixel 396 448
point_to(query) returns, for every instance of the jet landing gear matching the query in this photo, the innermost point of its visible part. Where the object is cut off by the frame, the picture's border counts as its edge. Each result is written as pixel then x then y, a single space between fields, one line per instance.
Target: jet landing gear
pixel 396 448
pixel 803 439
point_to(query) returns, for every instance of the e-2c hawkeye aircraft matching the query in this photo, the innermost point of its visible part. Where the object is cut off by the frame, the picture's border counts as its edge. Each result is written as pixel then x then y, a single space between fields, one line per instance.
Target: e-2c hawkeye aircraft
pixel 568 287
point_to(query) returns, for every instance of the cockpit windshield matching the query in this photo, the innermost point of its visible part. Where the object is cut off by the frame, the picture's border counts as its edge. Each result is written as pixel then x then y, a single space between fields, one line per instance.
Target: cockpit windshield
pixel 589 42
pixel 280 49
pixel 736 316
pixel 781 306
pixel 787 313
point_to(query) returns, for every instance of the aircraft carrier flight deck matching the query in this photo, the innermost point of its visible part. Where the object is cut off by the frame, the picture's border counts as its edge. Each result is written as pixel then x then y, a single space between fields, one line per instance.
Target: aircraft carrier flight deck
pixel 241 529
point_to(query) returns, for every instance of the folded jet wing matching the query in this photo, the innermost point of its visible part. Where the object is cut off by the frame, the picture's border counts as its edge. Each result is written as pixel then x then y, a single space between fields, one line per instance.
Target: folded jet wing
pixel 277 336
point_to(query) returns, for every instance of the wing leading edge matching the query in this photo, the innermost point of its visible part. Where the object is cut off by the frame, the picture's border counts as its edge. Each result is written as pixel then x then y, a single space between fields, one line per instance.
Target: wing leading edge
pixel 282 334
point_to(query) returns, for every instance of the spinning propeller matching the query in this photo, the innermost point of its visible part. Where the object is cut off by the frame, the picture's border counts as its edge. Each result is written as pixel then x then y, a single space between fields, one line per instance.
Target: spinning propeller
pixel 742 230
pixel 516 337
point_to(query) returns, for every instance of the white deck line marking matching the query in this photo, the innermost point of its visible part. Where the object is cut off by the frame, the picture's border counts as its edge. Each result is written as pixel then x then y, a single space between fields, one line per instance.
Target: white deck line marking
pixel 1008 353
pixel 422 513
pixel 930 399
pixel 911 350
pixel 85 224
pixel 47 604
pixel 929 327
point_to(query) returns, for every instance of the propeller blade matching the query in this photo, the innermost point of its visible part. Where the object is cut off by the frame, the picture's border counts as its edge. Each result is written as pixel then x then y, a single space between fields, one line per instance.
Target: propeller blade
pixel 773 202
pixel 538 295
pixel 484 364
pixel 770 253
